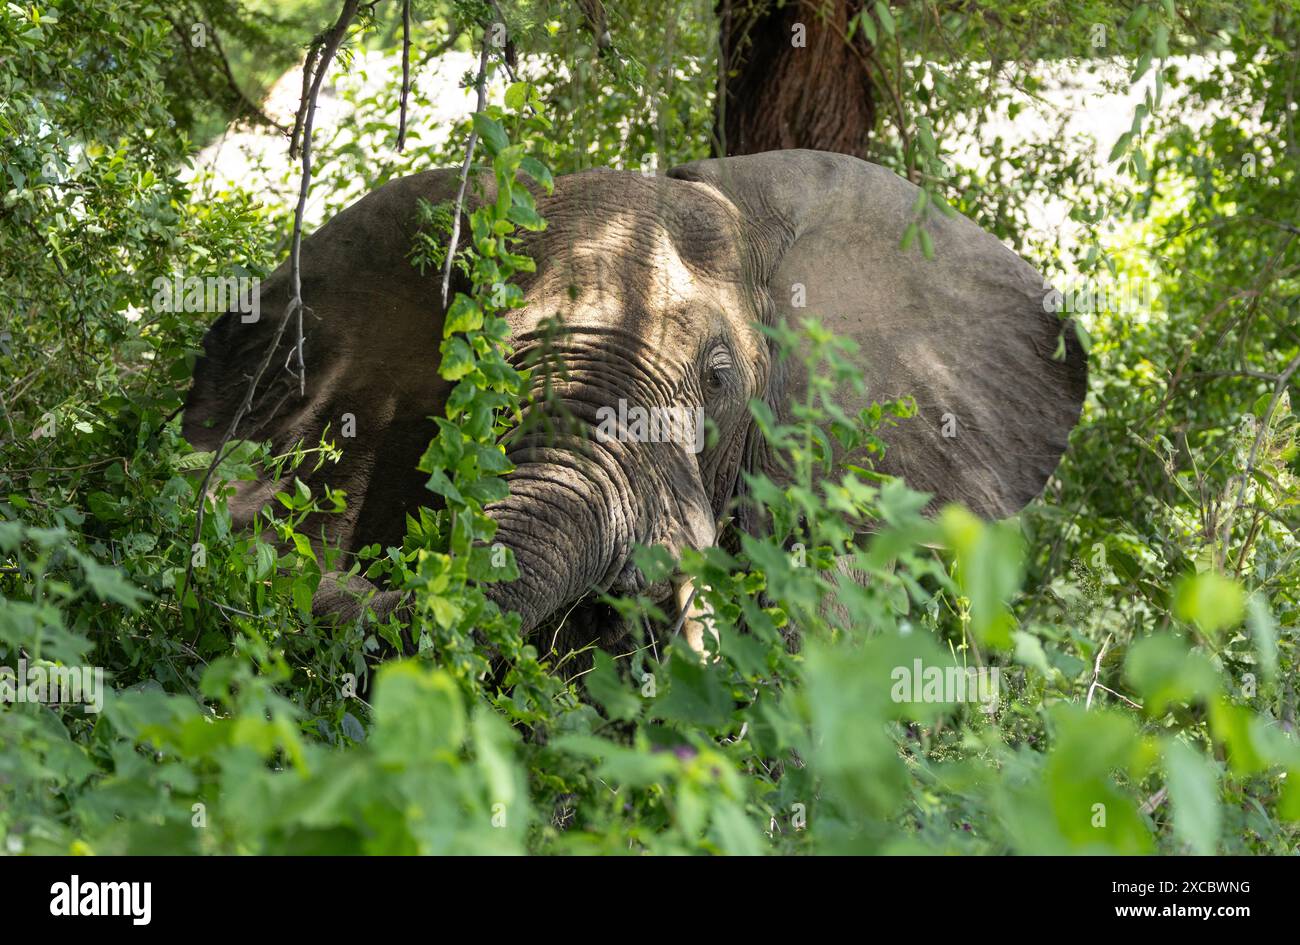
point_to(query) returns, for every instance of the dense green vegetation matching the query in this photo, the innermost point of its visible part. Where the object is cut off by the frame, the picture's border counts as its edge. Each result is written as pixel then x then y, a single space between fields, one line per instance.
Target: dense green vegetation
pixel 1142 616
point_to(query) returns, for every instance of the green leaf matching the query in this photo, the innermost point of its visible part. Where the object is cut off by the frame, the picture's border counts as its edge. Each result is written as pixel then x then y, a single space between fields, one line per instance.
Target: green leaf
pixel 927 244
pixel 1160 41
pixel 1029 652
pixel 610 690
pixel 1264 630
pixel 990 562
pixel 1089 810
pixel 526 217
pixel 457 358
pixel 516 96
pixel 493 135
pixel 538 172
pixel 1164 672
pixel 925 136
pixel 1231 726
pixel 265 561
pixel 1085 340
pixel 886 18
pixel 697 696
pixel 868 26
pixel 352 728
pixel 1120 148
pixel 1210 601
pixel 1140 165
pixel 303 546
pixel 1194 795
pixel 109 584
pixel 418 715
pixel 909 235
pixel 302 596
pixel 1137 17
pixel 464 315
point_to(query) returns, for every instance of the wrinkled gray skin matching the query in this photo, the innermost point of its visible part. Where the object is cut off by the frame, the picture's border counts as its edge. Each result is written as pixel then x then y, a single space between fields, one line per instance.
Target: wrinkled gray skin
pixel 659 283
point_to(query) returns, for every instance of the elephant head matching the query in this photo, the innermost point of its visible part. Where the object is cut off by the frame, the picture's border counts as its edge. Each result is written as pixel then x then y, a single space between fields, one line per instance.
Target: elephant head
pixel 648 294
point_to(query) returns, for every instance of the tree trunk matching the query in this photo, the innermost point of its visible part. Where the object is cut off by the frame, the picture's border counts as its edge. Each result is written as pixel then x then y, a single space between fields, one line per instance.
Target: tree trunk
pixel 789 79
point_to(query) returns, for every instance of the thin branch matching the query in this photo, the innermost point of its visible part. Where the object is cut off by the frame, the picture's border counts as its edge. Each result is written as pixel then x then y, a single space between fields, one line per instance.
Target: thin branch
pixel 1119 695
pixel 1155 800
pixel 437 51
pixel 321 53
pixel 330 46
pixel 406 72
pixel 1096 681
pixel 481 85
pixel 242 105
pixel 1253 293
pixel 308 67
pixel 227 609
pixel 245 104
pixel 1096 672
pixel 1244 372
pixel 1279 388
pixel 879 77
pixel 685 611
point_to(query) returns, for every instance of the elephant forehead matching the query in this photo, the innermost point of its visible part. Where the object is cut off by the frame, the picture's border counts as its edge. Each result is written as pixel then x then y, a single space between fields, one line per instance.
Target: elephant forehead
pixel 616 271
pixel 617 256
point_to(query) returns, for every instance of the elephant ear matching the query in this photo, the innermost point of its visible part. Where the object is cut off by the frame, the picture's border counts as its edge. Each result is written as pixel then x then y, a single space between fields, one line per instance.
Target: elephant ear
pixel 998 380
pixel 371 330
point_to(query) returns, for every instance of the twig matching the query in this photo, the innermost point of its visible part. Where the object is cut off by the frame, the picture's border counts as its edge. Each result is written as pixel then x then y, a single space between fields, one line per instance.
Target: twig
pixel 308 67
pixel 226 608
pixel 321 53
pixel 9 420
pixel 1096 671
pixel 242 104
pixel 1155 800
pixel 1119 695
pixel 1096 682
pixel 508 52
pixel 246 104
pixel 331 44
pixel 1244 372
pixel 406 72
pixel 1253 293
pixel 880 77
pixel 1279 388
pixel 686 609
pixel 481 84
pixel 437 51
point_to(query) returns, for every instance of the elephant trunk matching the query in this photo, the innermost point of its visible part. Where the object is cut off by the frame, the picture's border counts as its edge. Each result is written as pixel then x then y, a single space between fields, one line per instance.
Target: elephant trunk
pixel 568 521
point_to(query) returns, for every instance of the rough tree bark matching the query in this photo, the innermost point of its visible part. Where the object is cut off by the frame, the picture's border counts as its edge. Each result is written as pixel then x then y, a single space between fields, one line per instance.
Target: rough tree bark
pixel 774 94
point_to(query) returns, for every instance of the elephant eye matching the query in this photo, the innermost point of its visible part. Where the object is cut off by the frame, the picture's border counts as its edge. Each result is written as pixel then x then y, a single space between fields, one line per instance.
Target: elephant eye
pixel 717 369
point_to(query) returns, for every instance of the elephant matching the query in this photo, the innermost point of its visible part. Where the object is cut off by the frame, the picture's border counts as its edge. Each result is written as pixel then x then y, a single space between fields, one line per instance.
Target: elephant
pixel 651 290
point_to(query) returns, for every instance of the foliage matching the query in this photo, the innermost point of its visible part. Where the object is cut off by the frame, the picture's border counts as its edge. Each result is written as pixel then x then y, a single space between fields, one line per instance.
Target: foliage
pixel 1141 618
